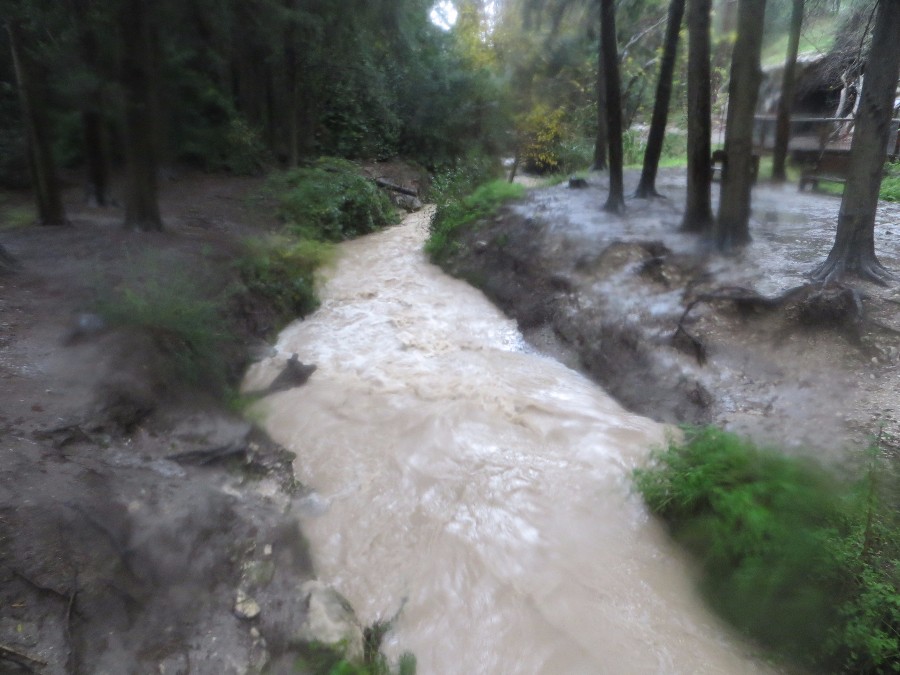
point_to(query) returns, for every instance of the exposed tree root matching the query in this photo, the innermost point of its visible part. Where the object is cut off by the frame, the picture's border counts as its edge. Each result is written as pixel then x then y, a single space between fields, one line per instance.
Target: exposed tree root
pixel 866 268
pixel 830 304
pixel 25 662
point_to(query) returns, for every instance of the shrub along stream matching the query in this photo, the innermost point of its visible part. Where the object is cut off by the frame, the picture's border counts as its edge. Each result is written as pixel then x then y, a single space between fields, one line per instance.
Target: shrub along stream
pixel 804 562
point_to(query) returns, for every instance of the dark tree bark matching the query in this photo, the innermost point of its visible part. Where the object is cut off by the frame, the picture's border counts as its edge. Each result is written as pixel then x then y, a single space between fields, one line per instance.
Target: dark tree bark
pixel 45 183
pixel 698 210
pixel 615 202
pixel 786 101
pixel 7 262
pixel 97 180
pixel 600 144
pixel 647 185
pixel 853 252
pixel 733 225
pixel 141 197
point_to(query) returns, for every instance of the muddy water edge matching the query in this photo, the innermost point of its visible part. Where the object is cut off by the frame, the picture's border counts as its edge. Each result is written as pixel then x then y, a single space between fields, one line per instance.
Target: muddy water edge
pixel 475 489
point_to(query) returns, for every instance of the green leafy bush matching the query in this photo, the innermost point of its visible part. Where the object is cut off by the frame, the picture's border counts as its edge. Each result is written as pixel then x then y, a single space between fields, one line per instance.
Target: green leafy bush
pixel 331 201
pixel 282 270
pixel 796 559
pixel 453 213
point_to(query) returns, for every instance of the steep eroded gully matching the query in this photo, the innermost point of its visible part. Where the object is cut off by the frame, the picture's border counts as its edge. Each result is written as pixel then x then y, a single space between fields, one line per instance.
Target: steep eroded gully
pixel 607 294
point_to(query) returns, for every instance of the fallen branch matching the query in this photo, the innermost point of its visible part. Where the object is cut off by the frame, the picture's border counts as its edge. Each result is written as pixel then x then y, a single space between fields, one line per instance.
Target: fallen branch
pixel 22 660
pixel 380 182
pixel 210 455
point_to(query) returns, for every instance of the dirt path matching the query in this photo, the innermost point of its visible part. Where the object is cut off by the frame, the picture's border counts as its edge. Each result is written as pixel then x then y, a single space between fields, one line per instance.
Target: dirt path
pixel 608 295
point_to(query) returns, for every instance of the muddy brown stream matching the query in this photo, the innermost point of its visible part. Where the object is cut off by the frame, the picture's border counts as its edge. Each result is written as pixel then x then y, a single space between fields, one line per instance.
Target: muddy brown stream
pixel 480 486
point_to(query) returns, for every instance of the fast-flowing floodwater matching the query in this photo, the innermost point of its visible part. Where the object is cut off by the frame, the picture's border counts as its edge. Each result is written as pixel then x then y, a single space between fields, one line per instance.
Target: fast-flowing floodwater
pixel 481 487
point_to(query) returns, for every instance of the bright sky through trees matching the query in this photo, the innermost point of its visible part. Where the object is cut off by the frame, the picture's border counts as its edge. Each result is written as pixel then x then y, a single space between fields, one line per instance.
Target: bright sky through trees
pixel 444 14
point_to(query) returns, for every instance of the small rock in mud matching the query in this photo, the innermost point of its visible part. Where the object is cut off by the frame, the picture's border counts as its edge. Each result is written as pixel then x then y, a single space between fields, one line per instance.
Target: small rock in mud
pixel 330 620
pixel 246 607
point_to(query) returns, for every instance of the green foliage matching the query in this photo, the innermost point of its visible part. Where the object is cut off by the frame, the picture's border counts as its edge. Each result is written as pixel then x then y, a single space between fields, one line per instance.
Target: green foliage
pixel 184 319
pixel 452 214
pixel 890 185
pixel 674 150
pixel 801 562
pixel 282 270
pixel 320 659
pixel 330 201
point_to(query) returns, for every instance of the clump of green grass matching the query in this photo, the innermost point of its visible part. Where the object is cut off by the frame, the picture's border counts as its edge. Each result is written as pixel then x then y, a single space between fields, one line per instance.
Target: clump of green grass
pixel 452 214
pixel 327 660
pixel 184 319
pixel 330 201
pixel 14 217
pixel 890 185
pixel 282 269
pixel 807 565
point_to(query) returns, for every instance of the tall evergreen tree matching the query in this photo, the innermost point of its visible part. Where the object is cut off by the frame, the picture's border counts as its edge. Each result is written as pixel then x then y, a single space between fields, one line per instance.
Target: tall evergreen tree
pixel 698 215
pixel 615 201
pixel 31 83
pixel 853 252
pixel 786 100
pixel 733 223
pixel 647 184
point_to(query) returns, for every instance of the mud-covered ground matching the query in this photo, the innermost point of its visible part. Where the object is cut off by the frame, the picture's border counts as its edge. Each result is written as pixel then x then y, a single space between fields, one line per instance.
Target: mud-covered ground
pixel 144 527
pixel 813 370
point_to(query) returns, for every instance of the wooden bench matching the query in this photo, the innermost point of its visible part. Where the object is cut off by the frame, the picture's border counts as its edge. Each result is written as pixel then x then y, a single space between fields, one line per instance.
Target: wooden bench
pixel 830 166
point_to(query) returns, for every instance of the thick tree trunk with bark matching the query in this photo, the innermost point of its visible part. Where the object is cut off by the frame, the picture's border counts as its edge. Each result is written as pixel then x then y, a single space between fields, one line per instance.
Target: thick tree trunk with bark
pixel 600 145
pixel 854 246
pixel 45 183
pixel 141 198
pixel 733 225
pixel 615 202
pixel 95 147
pixel 786 101
pixel 698 210
pixel 647 185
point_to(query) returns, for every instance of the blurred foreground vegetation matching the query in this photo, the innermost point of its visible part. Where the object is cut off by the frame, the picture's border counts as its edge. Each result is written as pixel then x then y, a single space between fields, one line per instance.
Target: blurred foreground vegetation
pixel 804 562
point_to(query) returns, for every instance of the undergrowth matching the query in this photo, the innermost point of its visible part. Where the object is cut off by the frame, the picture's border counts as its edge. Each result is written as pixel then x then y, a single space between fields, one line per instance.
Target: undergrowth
pixel 802 562
pixel 186 321
pixel 452 214
pixel 330 201
pixel 282 269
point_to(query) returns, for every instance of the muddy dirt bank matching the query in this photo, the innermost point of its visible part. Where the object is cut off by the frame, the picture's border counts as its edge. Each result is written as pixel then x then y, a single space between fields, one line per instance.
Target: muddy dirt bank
pixel 144 525
pixel 806 371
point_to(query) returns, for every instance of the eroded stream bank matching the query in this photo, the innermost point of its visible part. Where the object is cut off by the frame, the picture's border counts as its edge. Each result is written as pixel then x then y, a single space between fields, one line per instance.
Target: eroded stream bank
pixel 482 488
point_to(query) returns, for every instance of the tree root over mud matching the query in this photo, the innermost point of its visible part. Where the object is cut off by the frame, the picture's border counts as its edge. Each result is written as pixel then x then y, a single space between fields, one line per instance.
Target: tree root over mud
pixel 817 304
pixel 24 662
pixel 865 267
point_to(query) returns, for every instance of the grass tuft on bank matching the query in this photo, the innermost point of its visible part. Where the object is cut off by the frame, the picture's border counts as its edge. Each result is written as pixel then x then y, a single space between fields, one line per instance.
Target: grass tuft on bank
pixel 454 213
pixel 804 563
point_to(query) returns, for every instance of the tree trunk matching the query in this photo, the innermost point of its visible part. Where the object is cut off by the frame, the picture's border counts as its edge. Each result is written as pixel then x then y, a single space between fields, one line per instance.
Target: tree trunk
pixel 7 262
pixel 141 199
pixel 647 185
pixel 698 210
pixel 786 101
pixel 854 245
pixel 97 182
pixel 45 183
pixel 733 226
pixel 615 202
pixel 600 145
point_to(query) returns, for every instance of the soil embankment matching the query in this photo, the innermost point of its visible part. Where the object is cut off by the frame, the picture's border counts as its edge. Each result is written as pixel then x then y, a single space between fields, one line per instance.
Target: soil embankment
pixel 143 525
pixel 683 335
